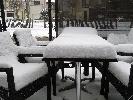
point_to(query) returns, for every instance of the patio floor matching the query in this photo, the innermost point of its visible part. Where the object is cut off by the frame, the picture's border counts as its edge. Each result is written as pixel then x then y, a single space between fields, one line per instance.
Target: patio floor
pixel 93 87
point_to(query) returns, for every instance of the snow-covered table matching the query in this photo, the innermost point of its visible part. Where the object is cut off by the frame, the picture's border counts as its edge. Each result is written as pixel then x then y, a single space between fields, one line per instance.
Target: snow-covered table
pixel 80 44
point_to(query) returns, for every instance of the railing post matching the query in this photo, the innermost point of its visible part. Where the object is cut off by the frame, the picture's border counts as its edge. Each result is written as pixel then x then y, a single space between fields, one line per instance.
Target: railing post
pixel 56 17
pixel 50 20
pixel 3 16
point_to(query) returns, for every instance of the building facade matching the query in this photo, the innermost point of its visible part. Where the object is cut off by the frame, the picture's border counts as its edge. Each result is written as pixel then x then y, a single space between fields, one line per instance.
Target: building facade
pixel 94 9
pixel 25 8
pixel 79 9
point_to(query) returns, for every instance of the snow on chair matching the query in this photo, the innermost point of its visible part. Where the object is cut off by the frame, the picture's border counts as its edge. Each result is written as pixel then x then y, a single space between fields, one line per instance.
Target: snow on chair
pixel 120 74
pixel 18 80
pixel 123 39
pixel 23 37
pixel 116 39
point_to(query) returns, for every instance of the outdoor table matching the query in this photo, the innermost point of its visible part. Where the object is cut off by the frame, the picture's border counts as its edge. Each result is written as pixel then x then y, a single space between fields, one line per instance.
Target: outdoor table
pixel 80 44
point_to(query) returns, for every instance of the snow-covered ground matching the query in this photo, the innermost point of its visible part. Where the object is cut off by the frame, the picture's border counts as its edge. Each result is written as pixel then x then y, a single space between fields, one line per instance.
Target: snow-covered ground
pixel 93 87
pixel 37 30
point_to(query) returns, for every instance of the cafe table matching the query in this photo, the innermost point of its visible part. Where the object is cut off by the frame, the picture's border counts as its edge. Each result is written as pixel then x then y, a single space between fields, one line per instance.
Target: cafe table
pixel 80 44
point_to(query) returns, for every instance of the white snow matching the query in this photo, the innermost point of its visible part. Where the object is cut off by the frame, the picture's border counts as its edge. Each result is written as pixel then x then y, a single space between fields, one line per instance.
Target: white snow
pixel 127 48
pixel 23 73
pixel 117 38
pixel 26 39
pixel 120 70
pixel 31 50
pixel 42 43
pixel 37 30
pixel 34 59
pixel 74 31
pixel 11 59
pixel 128 59
pixel 122 42
pixel 130 36
pixel 121 38
pixel 81 46
pixel 7 47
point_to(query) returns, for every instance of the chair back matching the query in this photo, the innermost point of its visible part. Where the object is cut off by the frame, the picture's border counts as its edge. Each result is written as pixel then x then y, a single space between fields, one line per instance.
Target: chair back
pixel 130 36
pixel 24 37
pixel 7 47
pixel 115 38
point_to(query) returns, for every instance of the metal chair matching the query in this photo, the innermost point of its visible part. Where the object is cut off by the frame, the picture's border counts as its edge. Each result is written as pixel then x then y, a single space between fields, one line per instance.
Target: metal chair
pixel 20 80
pixel 120 75
pixel 117 39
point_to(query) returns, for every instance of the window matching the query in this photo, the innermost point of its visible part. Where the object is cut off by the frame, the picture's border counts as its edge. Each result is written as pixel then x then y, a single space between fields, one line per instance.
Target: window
pixel 10 14
pixel 36 2
pixel 85 3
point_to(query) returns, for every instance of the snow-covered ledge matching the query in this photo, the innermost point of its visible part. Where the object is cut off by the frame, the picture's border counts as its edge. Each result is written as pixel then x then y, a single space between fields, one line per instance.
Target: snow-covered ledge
pixel 31 50
pixel 42 43
pixel 125 48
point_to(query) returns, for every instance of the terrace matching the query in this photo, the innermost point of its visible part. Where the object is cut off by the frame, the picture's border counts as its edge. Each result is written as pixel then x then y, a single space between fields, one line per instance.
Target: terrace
pixel 88 42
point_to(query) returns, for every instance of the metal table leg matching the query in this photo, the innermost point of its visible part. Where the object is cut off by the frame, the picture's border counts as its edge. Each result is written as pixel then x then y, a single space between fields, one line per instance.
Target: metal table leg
pixel 78 80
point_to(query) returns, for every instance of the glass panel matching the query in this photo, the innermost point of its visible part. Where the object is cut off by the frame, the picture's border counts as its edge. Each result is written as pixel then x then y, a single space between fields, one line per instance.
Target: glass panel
pixel 115 15
pixel 31 14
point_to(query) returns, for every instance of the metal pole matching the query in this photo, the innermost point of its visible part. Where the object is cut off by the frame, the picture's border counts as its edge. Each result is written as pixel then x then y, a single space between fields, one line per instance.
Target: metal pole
pixel 3 16
pixel 50 20
pixel 78 79
pixel 56 17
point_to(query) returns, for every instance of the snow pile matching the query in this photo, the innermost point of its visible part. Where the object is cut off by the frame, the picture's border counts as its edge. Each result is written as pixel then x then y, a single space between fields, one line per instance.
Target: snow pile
pixel 23 73
pixel 80 46
pixel 42 43
pixel 130 36
pixel 121 70
pixel 31 50
pixel 37 30
pixel 117 38
pixel 7 47
pixel 122 42
pixel 127 48
pixel 128 59
pixel 26 39
pixel 78 31
pixel 121 38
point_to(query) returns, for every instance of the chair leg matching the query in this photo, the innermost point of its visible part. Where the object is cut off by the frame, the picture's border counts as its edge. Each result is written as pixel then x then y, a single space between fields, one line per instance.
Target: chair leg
pixel 49 88
pixel 104 81
pixel 86 68
pixel 61 66
pixel 54 84
pixel 49 81
pixel 93 73
pixel 106 88
pixel 62 70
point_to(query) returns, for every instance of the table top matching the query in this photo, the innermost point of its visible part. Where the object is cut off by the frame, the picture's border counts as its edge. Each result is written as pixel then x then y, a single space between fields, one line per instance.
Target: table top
pixel 79 43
